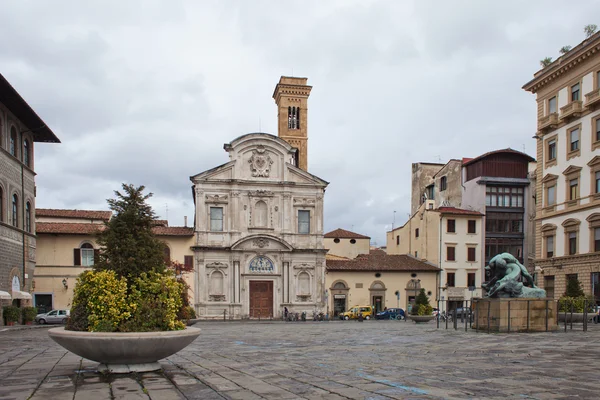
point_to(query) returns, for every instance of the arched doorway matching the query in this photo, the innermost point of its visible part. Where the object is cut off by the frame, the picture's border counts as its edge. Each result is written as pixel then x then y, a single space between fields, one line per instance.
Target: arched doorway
pixel 413 287
pixel 339 293
pixel 377 290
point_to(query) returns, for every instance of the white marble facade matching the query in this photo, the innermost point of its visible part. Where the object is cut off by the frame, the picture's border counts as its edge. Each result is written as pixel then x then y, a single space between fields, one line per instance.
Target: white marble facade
pixel 259 233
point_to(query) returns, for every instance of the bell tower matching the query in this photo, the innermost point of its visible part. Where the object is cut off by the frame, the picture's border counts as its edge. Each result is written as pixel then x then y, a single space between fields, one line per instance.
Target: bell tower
pixel 291 96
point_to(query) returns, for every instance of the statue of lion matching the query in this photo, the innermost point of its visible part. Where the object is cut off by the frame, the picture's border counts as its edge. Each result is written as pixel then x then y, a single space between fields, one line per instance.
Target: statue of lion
pixel 509 278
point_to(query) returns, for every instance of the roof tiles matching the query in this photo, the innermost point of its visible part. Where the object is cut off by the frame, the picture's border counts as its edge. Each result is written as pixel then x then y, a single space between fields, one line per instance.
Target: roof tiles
pixel 344 234
pixel 379 260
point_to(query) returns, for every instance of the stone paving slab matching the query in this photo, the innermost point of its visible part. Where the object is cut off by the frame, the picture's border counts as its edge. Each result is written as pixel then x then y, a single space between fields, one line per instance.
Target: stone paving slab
pixel 326 360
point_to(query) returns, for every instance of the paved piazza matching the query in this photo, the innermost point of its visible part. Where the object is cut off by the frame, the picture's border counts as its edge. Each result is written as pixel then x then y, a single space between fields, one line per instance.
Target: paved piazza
pixel 320 360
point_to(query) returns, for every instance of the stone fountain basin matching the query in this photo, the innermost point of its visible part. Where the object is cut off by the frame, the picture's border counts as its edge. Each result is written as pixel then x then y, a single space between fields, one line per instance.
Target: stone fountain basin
pixel 120 352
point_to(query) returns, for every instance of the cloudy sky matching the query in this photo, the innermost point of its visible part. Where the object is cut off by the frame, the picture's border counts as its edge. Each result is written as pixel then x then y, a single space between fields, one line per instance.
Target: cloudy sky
pixel 147 92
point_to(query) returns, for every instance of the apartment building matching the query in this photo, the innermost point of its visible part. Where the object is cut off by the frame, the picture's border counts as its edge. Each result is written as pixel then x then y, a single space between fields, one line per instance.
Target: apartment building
pixel 20 128
pixel 567 220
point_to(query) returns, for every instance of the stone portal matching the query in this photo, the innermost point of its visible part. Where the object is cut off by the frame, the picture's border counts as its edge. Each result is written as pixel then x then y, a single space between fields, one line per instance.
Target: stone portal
pixel 261 299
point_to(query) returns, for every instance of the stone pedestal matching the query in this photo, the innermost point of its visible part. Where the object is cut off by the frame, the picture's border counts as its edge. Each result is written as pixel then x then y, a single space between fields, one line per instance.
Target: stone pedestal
pixel 515 315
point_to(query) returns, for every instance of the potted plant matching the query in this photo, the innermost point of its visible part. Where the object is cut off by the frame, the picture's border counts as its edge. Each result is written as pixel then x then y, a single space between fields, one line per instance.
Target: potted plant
pixel 28 314
pixel 422 311
pixel 128 312
pixel 11 314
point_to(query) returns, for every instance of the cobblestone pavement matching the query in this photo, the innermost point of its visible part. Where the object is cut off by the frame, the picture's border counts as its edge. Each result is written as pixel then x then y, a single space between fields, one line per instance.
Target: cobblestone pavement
pixel 321 360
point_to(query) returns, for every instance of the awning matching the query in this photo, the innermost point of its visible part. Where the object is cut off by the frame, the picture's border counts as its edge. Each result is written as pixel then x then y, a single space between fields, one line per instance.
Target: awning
pixel 5 295
pixel 17 294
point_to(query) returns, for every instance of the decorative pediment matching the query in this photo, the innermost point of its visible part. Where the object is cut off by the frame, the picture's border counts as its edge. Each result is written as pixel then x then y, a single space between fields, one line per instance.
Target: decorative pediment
pixel 217 265
pixel 260 193
pixel 261 243
pixel 304 202
pixel 570 222
pixel 549 178
pixel 260 162
pixel 594 161
pixel 300 176
pixel 299 268
pixel 572 170
pixel 224 171
pixel 548 229
pixel 217 199
pixel 594 220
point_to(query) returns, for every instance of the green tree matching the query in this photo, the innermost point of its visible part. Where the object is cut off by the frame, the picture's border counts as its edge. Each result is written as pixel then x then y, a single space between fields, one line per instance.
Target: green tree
pixel 589 30
pixel 422 298
pixel 129 246
pixel 574 288
pixel 565 49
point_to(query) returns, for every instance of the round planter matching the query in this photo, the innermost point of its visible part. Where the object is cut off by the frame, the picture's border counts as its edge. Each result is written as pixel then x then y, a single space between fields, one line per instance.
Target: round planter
pixel 193 321
pixel 421 319
pixel 124 352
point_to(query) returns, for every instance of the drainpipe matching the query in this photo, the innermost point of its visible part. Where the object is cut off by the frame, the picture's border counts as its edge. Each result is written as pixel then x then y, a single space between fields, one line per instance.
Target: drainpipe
pixel 440 263
pixel 23 219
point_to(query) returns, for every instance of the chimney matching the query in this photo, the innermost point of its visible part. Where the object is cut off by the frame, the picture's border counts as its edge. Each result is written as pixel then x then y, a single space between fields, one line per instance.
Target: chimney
pixel 185 221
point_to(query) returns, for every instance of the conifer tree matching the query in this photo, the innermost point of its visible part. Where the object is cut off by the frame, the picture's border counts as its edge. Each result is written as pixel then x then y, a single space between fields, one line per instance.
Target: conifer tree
pixel 574 288
pixel 129 246
pixel 422 298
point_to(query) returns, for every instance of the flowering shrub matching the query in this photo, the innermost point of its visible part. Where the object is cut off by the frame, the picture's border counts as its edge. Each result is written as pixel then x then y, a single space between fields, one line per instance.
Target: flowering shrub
pixel 157 297
pixel 100 297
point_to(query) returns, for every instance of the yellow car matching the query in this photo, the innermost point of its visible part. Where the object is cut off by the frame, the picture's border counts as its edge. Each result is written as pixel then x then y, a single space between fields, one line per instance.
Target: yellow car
pixel 353 313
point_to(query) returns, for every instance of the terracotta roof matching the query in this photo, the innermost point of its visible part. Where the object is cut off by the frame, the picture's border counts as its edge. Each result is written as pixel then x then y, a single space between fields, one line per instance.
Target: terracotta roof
pixel 460 211
pixel 489 153
pixel 67 228
pixel 160 222
pixel 344 234
pixel 86 214
pixel 334 257
pixel 73 228
pixel 378 260
pixel 173 231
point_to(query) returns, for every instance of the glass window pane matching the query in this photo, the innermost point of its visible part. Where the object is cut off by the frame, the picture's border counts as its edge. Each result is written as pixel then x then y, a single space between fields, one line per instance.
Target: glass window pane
pixel 303 221
pixel 552 104
pixel 216 219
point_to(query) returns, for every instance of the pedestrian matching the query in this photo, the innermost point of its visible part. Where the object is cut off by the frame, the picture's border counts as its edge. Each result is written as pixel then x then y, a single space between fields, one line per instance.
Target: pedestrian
pixel 285 313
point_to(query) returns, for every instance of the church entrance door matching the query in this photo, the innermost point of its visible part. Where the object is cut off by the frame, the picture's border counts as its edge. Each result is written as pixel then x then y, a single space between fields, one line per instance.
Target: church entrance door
pixel 261 299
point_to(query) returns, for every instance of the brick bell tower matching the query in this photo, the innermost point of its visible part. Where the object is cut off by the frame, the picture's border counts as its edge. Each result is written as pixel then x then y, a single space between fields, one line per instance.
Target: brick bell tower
pixel 291 96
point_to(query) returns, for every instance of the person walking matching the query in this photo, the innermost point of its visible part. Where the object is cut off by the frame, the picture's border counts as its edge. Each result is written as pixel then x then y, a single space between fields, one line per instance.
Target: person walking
pixel 285 313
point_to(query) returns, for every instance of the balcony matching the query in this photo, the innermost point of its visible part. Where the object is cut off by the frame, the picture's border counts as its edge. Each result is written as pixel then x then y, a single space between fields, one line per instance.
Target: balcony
pixel 571 110
pixel 592 99
pixel 550 121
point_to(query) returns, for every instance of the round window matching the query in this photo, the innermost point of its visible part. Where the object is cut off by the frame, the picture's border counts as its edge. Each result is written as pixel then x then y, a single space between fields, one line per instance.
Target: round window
pixel 413 275
pixel 378 275
pixel 336 240
pixel 429 293
pixel 352 241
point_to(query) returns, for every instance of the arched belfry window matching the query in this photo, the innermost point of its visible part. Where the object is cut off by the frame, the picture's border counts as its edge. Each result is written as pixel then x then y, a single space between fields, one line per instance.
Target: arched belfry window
pixel 28 217
pixel 293 117
pixel 26 153
pixel 260 214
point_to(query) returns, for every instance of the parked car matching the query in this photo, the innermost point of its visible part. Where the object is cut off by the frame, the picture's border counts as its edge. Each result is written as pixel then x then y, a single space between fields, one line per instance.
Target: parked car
pixel 391 313
pixel 464 312
pixel 53 317
pixel 354 312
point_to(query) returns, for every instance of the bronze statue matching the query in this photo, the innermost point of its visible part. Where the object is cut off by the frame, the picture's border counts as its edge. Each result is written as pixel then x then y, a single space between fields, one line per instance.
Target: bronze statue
pixel 509 278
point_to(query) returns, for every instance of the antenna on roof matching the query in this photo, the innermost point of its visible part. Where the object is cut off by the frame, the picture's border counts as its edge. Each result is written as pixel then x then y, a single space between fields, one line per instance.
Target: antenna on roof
pixel 167 210
pixel 439 159
pixel 259 125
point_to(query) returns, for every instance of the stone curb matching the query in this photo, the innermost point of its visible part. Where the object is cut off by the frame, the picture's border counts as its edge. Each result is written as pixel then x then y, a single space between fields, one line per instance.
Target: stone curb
pixel 23 327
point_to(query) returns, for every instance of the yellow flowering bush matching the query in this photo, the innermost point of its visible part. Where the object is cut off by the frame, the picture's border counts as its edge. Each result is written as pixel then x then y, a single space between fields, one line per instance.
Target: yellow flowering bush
pixel 100 297
pixel 157 300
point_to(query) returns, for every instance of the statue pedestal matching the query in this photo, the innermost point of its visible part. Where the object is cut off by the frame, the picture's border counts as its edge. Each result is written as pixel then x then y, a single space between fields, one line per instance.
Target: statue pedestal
pixel 515 315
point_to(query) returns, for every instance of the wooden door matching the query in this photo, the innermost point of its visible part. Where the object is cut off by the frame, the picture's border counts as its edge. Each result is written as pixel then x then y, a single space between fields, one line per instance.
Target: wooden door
pixel 261 299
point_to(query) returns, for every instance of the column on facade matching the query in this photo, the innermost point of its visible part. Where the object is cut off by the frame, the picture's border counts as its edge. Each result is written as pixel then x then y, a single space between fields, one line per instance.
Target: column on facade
pixel 236 281
pixel 286 281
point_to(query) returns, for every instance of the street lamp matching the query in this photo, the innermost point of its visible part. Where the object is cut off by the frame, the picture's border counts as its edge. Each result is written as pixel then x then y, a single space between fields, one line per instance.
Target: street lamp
pixel 64 282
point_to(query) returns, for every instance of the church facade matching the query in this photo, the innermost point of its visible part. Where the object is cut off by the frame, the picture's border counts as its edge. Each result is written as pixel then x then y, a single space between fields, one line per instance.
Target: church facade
pixel 259 222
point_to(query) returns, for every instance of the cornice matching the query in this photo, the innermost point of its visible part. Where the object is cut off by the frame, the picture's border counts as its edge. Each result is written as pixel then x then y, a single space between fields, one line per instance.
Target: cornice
pixel 587 49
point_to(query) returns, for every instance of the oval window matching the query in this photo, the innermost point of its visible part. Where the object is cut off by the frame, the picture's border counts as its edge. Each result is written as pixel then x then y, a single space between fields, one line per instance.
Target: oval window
pixel 378 275
pixel 336 240
pixel 352 241
pixel 413 275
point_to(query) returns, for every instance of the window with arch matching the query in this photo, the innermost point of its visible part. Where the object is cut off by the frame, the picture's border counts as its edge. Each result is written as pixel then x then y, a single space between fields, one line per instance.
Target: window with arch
pixel 303 283
pixel 12 148
pixel 339 285
pixel 167 255
pixel 216 283
pixel 28 217
pixel 260 214
pixel 26 153
pixel 15 210
pixel 377 286
pixel 87 255
pixel 571 227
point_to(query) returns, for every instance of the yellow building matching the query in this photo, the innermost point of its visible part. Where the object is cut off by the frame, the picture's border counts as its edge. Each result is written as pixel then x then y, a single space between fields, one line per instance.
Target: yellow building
pixel 357 275
pixel 66 246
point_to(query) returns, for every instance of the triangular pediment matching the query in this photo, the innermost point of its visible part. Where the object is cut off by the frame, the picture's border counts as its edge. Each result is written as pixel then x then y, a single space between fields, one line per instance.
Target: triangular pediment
pixel 300 176
pixel 223 171
pixel 572 169
pixel 594 161
pixel 549 178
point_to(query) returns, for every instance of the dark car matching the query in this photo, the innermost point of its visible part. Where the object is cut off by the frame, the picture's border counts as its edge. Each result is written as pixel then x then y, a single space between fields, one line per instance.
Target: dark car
pixel 464 312
pixel 391 313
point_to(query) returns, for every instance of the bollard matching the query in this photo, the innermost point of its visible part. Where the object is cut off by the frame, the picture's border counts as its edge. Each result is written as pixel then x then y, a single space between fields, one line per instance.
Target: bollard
pixel 572 315
pixel 546 315
pixel 585 315
pixel 488 316
pixel 454 321
pixel 509 316
pixel 527 316
pixel 565 319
